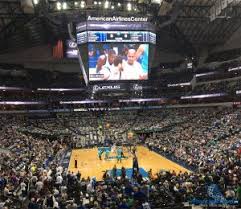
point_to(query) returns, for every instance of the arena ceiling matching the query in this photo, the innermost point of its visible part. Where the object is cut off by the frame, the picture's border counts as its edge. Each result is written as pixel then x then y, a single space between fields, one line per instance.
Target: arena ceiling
pixel 195 23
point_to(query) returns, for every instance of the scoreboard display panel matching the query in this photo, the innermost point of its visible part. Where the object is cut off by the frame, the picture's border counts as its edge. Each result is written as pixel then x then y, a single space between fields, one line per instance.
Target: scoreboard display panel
pixel 116 36
pixel 117 50
pixel 82 38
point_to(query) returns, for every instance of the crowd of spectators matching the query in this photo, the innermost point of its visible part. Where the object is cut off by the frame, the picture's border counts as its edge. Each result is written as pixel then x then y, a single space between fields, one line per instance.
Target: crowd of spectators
pixel 209 143
pixel 205 140
pixel 229 87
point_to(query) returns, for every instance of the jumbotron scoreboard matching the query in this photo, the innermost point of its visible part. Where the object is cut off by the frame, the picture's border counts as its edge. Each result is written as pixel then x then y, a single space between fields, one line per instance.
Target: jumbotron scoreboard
pixel 108 46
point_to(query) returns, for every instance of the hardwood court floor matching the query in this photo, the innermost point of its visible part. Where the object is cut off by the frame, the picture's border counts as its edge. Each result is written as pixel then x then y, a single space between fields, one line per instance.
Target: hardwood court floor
pixel 90 165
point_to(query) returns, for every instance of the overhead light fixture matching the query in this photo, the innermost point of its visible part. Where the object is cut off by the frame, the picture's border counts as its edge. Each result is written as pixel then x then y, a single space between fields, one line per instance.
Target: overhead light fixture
pixel 129 6
pixel 106 4
pixel 76 3
pixel 99 2
pixel 119 4
pixel 64 5
pixel 82 4
pixel 95 3
pixel 156 1
pixel 112 7
pixel 59 6
pixel 35 2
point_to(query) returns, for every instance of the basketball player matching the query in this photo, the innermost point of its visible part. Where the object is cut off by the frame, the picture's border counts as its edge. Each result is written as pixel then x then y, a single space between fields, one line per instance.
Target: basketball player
pixel 100 152
pixel 113 148
pixel 142 54
pixel 75 163
pixel 135 167
pixel 122 154
pixel 132 69
pixel 107 153
pixel 114 172
pixel 134 150
pixel 130 148
pixel 117 69
pixel 119 151
pixel 105 64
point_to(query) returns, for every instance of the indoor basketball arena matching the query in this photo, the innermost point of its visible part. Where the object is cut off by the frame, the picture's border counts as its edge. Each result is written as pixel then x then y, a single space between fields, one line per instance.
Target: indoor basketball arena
pixel 120 104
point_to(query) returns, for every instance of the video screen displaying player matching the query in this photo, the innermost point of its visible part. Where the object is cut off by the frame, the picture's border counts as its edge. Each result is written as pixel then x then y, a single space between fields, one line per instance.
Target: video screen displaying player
pixel 118 62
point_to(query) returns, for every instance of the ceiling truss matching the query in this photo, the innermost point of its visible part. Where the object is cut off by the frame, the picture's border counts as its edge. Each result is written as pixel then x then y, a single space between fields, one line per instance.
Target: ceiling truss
pixel 192 25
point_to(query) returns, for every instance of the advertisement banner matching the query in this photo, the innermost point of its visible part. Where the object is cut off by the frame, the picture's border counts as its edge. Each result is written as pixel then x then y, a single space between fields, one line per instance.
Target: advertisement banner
pixel 109 87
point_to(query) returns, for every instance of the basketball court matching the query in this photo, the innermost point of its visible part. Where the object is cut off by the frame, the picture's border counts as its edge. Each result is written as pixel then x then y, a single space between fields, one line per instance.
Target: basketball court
pixel 89 164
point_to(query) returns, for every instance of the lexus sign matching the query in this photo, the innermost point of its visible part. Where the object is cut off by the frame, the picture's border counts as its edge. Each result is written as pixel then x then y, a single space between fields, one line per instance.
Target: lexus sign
pixel 106 87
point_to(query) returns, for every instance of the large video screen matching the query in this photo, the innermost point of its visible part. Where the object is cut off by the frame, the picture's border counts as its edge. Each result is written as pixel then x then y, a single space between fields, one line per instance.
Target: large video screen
pixel 118 61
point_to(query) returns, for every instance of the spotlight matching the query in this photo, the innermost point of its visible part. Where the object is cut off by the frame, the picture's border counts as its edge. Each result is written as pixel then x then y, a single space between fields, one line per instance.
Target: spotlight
pixel 99 2
pixel 64 5
pixel 112 7
pixel 82 4
pixel 35 1
pixel 119 4
pixel 76 3
pixel 106 4
pixel 95 2
pixel 129 6
pixel 59 6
